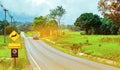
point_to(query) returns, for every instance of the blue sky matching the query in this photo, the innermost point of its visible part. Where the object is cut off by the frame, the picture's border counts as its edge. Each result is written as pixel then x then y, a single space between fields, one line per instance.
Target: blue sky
pixel 26 10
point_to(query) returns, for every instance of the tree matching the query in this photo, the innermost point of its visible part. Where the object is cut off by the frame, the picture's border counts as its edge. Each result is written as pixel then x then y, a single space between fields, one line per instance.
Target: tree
pixel 39 23
pixel 110 9
pixel 44 25
pixel 51 27
pixel 108 27
pixel 57 13
pixel 114 29
pixel 105 29
pixel 2 26
pixel 87 21
pixel 52 24
pixel 9 29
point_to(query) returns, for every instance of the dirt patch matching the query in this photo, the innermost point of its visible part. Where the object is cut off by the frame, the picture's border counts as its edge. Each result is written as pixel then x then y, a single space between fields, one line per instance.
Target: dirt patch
pixel 106 40
pixel 102 60
pixel 117 40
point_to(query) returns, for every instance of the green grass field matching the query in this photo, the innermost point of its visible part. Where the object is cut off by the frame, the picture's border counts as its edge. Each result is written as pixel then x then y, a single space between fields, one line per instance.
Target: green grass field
pixel 6 62
pixel 107 46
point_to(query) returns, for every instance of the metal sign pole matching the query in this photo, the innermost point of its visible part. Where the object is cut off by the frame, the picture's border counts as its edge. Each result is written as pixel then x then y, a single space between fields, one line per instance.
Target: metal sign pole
pixel 14 55
pixel 15 62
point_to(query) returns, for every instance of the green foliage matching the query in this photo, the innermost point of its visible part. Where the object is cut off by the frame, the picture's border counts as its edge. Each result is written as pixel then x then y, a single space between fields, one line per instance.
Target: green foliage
pixel 57 13
pixel 2 24
pixel 49 25
pixel 1 27
pixel 93 24
pixel 75 48
pixel 45 26
pixel 88 21
pixel 119 31
pixel 114 29
pixel 108 27
pixel 52 24
pixel 39 22
pixel 9 29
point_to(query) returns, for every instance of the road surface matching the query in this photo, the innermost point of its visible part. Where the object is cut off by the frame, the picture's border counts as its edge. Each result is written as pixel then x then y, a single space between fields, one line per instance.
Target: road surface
pixel 44 57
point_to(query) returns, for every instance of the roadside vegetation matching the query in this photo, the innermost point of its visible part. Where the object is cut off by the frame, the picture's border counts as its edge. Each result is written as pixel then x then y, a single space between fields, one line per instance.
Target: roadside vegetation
pixel 6 62
pixel 100 48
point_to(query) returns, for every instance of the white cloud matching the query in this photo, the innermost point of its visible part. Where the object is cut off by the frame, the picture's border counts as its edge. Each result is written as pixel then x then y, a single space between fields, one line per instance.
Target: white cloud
pixel 41 7
pixel 29 7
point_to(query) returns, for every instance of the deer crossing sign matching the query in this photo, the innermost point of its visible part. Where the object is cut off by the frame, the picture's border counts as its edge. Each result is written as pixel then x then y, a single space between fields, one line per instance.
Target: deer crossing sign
pixel 14 36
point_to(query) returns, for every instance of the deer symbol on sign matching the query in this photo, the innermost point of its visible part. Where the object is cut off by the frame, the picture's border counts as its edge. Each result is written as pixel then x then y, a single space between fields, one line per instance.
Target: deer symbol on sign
pixel 14 35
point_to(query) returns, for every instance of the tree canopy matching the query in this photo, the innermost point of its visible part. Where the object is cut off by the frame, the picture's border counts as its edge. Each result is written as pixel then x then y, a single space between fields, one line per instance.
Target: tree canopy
pixel 39 22
pixel 2 23
pixel 44 25
pixel 86 21
pixel 110 9
pixel 57 13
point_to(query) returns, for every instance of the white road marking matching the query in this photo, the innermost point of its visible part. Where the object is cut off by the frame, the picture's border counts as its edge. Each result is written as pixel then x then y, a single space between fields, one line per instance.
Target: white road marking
pixel 35 62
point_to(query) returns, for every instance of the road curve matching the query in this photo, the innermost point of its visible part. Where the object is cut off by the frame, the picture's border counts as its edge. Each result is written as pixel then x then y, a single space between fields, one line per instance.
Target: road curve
pixel 44 57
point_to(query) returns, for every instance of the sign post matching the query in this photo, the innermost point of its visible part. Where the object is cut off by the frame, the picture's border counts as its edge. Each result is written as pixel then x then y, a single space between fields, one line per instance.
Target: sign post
pixel 14 62
pixel 14 54
pixel 14 46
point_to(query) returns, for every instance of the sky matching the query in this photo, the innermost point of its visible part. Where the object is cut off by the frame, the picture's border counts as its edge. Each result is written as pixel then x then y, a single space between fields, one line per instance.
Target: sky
pixel 26 10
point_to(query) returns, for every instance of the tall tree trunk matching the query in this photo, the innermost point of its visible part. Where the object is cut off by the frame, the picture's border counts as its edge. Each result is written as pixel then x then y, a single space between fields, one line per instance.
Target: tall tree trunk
pixel 86 31
pixel 59 27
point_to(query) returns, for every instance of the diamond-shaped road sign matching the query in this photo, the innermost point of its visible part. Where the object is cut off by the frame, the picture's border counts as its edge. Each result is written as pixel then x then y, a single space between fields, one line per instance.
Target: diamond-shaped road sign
pixel 14 35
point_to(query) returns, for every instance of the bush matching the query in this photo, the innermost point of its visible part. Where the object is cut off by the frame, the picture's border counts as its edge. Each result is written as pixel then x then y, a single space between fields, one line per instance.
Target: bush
pixel 9 29
pixel 75 47
pixel 82 32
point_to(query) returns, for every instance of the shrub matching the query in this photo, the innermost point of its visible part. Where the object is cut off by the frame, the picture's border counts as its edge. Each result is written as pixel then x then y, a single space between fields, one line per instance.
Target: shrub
pixel 75 47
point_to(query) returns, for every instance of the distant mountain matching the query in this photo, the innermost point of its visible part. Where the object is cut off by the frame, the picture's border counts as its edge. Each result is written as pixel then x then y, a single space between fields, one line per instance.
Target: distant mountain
pixel 17 17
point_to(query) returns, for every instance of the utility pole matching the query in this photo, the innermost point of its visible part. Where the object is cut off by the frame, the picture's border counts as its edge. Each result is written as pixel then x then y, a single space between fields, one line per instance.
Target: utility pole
pixel 1 4
pixel 14 24
pixel 5 10
pixel 11 19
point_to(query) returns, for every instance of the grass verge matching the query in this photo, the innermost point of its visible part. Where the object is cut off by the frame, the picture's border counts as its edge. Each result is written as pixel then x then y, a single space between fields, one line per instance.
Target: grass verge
pixel 6 62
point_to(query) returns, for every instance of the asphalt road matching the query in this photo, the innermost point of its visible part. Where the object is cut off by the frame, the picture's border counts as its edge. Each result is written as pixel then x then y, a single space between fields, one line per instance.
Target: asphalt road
pixel 45 57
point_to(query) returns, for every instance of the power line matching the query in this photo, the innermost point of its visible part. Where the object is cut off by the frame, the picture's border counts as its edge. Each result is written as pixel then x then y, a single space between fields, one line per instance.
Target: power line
pixel 11 17
pixel 6 11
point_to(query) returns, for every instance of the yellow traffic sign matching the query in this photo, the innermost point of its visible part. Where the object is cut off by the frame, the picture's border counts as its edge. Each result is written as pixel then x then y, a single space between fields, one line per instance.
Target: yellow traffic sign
pixel 14 45
pixel 14 35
